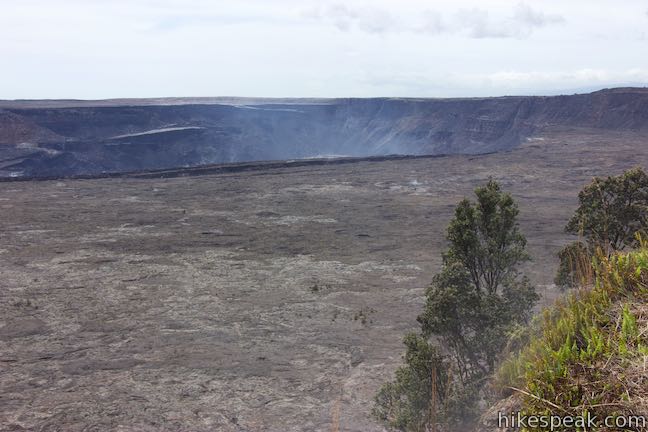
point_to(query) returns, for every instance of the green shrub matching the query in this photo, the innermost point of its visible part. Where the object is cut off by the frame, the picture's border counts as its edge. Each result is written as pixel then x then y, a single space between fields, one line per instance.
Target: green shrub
pixel 560 370
pixel 612 211
pixel 473 304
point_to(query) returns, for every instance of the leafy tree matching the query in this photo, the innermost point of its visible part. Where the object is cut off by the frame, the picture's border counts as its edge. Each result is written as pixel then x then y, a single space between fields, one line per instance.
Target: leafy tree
pixel 611 212
pixel 471 306
pixel 479 294
pixel 416 396
pixel 484 237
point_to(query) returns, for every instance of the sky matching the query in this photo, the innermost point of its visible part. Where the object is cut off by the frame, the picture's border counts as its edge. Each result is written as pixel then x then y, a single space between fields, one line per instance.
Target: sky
pixel 95 49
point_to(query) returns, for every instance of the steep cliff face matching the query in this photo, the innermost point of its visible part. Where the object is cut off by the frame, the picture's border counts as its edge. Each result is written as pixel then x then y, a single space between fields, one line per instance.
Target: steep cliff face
pixel 61 138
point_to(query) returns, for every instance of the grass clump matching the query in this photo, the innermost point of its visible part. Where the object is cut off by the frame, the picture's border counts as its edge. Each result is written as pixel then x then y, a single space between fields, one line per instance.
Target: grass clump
pixel 584 355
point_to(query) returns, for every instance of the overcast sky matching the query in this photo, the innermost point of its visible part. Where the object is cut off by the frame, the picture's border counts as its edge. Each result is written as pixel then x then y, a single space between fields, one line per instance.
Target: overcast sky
pixel 297 48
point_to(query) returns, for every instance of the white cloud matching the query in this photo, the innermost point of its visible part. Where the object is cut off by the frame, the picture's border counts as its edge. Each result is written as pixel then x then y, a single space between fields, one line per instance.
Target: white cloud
pixel 504 82
pixel 336 48
pixel 514 82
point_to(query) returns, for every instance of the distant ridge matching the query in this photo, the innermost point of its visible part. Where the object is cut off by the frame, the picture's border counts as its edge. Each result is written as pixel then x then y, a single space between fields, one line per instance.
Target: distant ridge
pixel 235 100
pixel 80 138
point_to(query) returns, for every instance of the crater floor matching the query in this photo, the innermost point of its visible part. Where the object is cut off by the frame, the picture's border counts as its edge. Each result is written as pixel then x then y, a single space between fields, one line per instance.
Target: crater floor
pixel 270 300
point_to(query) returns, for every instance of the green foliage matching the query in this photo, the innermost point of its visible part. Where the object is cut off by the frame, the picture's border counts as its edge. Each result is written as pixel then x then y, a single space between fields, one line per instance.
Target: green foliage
pixel 484 237
pixel 472 305
pixel 473 327
pixel 629 331
pixel 417 394
pixel 577 337
pixel 612 211
pixel 575 266
pixel 478 296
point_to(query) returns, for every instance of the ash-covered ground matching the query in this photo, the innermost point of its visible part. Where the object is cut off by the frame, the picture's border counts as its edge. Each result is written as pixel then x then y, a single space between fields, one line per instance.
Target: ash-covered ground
pixel 269 300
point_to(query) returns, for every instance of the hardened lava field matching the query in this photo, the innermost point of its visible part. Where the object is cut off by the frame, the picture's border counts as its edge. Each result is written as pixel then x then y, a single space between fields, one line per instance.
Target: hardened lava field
pixel 266 300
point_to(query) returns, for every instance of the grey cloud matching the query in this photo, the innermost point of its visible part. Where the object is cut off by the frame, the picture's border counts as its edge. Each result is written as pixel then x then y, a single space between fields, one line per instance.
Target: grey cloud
pixel 524 20
pixel 524 14
pixel 341 16
pixel 433 23
pixel 474 23
pixel 367 19
pixel 478 24
pixel 378 21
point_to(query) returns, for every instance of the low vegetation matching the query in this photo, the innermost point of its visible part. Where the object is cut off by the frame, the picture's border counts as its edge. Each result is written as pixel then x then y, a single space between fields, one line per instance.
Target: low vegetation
pixel 587 355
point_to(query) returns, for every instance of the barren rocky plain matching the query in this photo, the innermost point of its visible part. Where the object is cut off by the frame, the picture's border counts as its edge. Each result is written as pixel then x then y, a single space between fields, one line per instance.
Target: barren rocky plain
pixel 265 300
